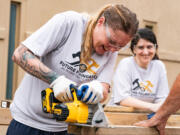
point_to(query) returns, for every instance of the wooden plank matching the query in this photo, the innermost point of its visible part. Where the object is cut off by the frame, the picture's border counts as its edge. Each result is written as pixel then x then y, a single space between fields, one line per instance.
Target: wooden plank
pixel 125 118
pixel 5 116
pixel 131 118
pixel 81 130
pixel 174 120
pixel 127 109
pixel 133 130
pixel 119 109
pixel 122 130
pixel 121 120
pixel 74 129
pixel 126 130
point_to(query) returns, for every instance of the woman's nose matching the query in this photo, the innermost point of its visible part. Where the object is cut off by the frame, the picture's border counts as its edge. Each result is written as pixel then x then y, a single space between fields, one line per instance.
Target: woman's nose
pixel 112 49
pixel 145 51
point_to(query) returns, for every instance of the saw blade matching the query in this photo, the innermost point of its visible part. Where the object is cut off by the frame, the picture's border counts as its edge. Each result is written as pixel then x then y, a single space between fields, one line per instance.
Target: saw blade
pixel 99 118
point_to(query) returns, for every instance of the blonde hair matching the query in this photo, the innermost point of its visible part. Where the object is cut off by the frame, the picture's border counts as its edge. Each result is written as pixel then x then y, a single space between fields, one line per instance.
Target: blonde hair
pixel 117 17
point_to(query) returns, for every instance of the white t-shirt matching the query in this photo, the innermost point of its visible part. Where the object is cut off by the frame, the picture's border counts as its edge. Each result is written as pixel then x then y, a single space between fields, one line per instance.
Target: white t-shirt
pixel 58 44
pixel 130 80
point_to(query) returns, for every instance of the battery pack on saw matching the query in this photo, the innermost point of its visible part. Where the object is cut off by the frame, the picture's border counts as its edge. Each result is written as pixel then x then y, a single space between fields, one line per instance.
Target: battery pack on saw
pixel 73 112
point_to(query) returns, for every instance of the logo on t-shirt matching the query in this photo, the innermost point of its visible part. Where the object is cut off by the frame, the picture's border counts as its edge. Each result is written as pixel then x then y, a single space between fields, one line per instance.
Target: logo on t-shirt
pixel 143 86
pixel 146 86
pixel 84 67
pixel 76 68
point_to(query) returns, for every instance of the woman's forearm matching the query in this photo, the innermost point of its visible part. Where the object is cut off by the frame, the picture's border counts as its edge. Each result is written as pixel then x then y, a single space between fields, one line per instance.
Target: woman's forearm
pixel 31 64
pixel 136 103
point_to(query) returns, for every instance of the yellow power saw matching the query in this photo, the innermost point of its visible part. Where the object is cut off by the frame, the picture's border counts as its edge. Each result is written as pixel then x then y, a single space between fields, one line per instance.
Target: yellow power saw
pixel 75 112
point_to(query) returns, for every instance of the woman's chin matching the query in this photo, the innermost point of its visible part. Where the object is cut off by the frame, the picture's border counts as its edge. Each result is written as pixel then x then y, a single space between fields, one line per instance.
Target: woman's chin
pixel 145 63
pixel 100 52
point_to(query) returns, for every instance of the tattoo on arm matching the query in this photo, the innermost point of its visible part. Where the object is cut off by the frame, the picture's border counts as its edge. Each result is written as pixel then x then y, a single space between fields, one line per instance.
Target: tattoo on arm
pixel 31 64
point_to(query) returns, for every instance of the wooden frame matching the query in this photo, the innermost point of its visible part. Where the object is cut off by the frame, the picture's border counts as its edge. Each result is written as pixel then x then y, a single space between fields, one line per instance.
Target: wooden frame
pixel 121 120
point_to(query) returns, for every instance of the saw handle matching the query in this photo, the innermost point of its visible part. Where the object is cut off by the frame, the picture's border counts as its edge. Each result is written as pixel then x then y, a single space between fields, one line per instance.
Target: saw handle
pixel 74 91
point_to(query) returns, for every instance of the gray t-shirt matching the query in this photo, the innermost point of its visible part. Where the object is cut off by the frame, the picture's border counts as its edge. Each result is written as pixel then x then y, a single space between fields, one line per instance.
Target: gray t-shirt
pixel 148 85
pixel 58 44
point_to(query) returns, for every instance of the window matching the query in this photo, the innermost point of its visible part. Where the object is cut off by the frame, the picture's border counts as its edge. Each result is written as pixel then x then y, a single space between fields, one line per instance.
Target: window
pixel 13 41
pixel 150 25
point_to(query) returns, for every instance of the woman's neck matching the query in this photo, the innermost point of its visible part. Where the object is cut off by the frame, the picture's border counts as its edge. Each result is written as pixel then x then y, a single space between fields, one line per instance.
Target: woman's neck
pixel 144 66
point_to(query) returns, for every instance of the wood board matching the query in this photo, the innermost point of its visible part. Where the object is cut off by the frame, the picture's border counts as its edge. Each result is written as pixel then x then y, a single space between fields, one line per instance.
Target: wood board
pixel 121 120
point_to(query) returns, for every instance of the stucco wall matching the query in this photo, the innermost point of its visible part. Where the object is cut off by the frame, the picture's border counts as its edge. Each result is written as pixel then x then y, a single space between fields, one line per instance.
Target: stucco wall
pixel 34 13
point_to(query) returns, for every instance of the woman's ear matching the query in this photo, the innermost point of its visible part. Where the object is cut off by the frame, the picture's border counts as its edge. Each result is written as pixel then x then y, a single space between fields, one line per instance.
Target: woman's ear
pixel 101 20
pixel 134 52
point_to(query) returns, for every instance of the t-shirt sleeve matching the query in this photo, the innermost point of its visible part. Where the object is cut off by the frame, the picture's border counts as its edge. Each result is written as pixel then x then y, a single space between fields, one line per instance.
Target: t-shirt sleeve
pixel 48 37
pixel 121 82
pixel 108 70
pixel 163 89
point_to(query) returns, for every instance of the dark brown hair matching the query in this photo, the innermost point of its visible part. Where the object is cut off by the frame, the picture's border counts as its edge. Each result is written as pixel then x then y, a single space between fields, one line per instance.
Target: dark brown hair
pixel 147 34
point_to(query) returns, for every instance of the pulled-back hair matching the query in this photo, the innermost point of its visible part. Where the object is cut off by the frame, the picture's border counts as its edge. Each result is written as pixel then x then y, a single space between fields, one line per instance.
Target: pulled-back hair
pixel 147 34
pixel 117 17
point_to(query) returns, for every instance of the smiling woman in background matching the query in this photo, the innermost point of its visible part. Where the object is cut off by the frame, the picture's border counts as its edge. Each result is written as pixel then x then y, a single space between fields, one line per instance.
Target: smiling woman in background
pixel 141 81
